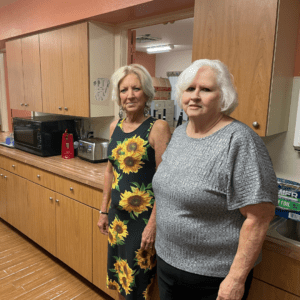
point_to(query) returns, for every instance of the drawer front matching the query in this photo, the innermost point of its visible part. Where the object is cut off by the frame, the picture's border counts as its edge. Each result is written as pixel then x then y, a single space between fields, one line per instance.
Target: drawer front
pixel 78 191
pixel 41 177
pixel 16 167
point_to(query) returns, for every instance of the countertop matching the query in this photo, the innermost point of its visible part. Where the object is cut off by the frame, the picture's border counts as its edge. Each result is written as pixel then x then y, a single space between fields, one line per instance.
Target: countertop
pixel 91 174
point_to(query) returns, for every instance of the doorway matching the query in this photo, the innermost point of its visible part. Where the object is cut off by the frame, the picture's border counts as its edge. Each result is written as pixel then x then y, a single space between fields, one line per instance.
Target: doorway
pixel 179 35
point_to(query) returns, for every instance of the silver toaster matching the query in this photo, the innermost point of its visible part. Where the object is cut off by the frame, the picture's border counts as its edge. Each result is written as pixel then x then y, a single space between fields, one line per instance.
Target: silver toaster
pixel 93 149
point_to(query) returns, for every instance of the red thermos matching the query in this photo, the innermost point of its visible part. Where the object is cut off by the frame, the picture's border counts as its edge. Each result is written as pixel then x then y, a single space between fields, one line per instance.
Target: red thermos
pixel 67 145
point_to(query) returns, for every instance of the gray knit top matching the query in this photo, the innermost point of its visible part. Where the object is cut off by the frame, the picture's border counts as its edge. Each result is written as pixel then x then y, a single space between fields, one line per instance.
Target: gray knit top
pixel 199 187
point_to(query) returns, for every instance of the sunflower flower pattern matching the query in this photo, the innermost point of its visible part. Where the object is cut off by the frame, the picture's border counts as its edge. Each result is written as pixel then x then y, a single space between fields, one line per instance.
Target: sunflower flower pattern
pixel 130 270
pixel 118 231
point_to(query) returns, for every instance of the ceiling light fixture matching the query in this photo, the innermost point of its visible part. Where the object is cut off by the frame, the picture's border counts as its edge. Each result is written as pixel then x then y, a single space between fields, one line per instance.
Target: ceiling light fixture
pixel 160 49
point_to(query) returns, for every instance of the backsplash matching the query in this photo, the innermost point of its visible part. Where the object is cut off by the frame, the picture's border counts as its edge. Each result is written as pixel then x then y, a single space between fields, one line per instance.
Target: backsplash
pixel 100 126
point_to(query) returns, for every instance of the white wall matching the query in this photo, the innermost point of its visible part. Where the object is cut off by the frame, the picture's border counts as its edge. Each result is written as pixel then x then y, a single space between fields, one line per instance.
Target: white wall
pixel 286 160
pixel 172 61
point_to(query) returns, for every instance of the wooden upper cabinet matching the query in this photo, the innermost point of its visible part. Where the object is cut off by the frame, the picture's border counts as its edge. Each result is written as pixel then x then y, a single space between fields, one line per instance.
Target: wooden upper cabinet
pixel 63 71
pixel 15 74
pixel 75 70
pixel 32 73
pixel 52 72
pixel 257 41
pixel 24 75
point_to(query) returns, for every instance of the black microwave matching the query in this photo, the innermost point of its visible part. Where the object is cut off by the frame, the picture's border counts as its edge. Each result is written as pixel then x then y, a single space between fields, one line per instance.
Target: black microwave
pixel 42 135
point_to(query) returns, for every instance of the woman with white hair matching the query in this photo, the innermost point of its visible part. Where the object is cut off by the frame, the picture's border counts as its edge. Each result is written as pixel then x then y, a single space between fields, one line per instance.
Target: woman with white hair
pixel 135 148
pixel 215 191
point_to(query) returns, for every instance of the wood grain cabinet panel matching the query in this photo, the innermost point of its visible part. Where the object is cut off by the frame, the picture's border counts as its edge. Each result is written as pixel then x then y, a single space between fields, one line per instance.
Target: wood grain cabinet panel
pixel 41 177
pixel 32 73
pixel 75 190
pixel 1 161
pixel 52 71
pixel 58 71
pixel 16 167
pixel 75 70
pixel 257 41
pixel 41 219
pixel 262 291
pixel 16 202
pixel 15 74
pixel 3 194
pixel 74 235
pixel 280 271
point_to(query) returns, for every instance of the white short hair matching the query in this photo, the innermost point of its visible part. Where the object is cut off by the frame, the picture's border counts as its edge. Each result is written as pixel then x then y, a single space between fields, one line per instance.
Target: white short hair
pixel 229 97
pixel 142 74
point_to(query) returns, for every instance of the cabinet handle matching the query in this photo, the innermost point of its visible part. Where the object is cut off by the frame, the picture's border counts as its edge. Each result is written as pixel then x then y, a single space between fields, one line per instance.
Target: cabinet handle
pixel 5 176
pixel 56 200
pixel 51 198
pixel 71 189
pixel 38 176
pixel 22 104
pixel 13 166
pixel 26 104
pixel 59 108
pixel 255 124
pixel 66 108
pixel 1 174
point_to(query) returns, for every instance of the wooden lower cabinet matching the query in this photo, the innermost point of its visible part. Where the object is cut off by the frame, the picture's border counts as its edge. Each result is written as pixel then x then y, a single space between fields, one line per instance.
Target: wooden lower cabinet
pixel 280 271
pixel 3 194
pixel 16 202
pixel 41 220
pixel 262 291
pixel 74 235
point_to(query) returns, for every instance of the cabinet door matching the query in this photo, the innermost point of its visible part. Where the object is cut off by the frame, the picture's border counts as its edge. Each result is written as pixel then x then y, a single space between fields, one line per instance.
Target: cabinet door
pixel 100 244
pixel 3 193
pixel 41 223
pixel 75 70
pixel 261 291
pixel 32 73
pixel 280 271
pixel 241 34
pixel 16 202
pixel 15 74
pixel 52 72
pixel 74 235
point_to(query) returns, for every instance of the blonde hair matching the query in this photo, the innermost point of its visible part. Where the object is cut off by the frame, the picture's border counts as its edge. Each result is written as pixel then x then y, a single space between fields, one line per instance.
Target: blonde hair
pixel 142 74
pixel 229 97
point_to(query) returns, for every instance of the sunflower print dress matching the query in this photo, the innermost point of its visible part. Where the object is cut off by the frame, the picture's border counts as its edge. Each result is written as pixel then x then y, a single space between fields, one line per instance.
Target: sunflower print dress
pixel 130 270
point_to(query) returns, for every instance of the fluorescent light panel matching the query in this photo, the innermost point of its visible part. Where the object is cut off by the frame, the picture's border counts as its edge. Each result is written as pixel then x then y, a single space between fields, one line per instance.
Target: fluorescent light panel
pixel 160 49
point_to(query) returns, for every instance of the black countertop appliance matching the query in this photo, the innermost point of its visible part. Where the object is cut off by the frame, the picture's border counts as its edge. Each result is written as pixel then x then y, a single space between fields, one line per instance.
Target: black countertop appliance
pixel 42 135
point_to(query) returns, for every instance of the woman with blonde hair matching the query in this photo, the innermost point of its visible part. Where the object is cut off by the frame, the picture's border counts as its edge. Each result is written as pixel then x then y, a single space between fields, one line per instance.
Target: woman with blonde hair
pixel 135 148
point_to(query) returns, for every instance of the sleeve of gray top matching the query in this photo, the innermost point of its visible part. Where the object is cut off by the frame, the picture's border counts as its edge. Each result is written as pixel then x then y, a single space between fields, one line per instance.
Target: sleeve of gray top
pixel 252 178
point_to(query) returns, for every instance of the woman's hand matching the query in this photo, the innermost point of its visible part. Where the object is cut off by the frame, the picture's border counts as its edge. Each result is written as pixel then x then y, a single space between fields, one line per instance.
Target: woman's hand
pixel 103 224
pixel 148 236
pixel 231 289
